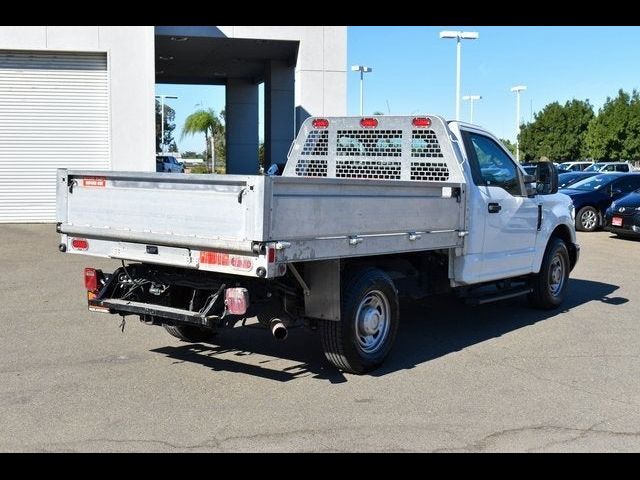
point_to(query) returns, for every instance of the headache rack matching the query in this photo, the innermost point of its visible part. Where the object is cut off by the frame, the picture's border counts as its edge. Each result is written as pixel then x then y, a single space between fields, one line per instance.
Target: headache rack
pixel 375 148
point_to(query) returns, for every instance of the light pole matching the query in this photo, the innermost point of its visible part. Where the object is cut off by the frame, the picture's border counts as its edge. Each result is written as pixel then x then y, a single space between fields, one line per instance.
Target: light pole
pixel 471 99
pixel 518 89
pixel 458 36
pixel 362 69
pixel 162 97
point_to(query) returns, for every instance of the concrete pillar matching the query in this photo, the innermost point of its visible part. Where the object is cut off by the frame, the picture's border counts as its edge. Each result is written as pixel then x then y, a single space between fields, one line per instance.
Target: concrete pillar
pixel 241 119
pixel 279 113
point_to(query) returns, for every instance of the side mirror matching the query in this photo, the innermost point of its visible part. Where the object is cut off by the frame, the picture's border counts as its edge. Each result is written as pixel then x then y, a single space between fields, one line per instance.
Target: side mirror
pixel 546 178
pixel 530 185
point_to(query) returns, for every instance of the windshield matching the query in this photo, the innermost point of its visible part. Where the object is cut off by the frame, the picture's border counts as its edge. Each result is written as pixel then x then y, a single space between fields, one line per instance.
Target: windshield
pixel 594 168
pixel 592 184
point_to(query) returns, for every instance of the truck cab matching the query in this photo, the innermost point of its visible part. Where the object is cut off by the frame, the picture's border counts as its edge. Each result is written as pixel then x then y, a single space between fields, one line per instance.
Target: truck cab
pixel 511 221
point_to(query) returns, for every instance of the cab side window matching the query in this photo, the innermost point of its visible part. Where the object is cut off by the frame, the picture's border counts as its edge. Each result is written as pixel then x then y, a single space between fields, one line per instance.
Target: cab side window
pixel 491 165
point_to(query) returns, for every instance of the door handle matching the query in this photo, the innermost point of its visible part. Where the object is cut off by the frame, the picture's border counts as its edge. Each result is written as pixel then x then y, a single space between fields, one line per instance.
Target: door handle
pixel 494 207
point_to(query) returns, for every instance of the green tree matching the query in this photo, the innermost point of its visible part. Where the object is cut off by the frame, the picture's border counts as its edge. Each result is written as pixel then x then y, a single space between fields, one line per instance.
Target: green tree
pixel 615 133
pixel 169 127
pixel 510 145
pixel 557 132
pixel 207 122
pixel 378 112
pixel 190 154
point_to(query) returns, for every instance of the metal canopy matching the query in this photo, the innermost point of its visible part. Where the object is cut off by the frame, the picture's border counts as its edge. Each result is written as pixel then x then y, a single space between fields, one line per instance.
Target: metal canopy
pixel 211 60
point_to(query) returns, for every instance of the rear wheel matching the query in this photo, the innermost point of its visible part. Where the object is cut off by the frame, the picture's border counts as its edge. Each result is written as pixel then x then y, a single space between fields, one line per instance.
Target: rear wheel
pixel 188 333
pixel 370 316
pixel 550 284
pixel 588 219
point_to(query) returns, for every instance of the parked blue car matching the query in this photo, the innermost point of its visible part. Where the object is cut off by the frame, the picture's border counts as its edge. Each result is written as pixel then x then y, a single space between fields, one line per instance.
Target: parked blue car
pixel 565 180
pixel 592 196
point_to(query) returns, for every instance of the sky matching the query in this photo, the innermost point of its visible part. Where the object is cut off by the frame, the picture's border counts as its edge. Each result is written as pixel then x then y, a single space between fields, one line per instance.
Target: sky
pixel 414 72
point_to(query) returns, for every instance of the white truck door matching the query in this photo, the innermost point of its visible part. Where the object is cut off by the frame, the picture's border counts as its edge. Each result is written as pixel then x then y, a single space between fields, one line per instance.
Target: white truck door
pixel 511 218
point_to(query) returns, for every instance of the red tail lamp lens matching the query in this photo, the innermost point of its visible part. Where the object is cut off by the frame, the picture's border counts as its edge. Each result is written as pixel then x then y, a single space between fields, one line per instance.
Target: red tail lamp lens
pixel 91 279
pixel 369 122
pixel 79 244
pixel 271 255
pixel 421 122
pixel 320 123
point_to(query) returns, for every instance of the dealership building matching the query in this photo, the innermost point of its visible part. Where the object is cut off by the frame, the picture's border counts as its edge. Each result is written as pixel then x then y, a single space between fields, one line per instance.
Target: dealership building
pixel 84 96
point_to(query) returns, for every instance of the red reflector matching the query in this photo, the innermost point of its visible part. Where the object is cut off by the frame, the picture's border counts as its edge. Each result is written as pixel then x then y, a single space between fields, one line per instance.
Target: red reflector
pixel 271 255
pixel 320 123
pixel 214 258
pixel 79 244
pixel 369 122
pixel 91 279
pixel 236 300
pixel 241 263
pixel 421 122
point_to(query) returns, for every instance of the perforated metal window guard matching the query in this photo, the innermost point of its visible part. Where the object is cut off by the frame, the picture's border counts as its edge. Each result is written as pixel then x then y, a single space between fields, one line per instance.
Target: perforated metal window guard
pixel 424 143
pixel 369 143
pixel 311 167
pixel 371 169
pixel 429 171
pixel 316 144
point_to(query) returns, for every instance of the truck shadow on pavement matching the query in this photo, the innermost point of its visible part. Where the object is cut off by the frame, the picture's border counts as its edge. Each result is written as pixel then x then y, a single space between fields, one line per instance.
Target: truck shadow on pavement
pixel 428 330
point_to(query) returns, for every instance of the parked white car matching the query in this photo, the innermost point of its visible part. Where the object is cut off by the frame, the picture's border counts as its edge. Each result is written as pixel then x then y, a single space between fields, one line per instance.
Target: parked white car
pixel 575 166
pixel 610 167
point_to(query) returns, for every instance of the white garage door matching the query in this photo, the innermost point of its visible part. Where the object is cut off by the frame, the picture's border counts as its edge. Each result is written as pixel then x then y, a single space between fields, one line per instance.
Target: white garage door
pixel 54 113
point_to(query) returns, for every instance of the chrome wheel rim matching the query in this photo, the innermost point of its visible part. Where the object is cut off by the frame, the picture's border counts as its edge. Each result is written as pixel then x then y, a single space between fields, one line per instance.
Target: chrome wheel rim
pixel 372 321
pixel 556 275
pixel 589 220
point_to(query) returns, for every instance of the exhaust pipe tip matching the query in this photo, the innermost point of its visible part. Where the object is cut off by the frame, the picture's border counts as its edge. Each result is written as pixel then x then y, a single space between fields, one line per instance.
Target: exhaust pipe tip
pixel 279 329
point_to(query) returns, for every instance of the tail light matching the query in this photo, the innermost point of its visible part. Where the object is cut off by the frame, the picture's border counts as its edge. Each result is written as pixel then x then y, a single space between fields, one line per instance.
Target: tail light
pixel 320 123
pixel 91 279
pixel 421 122
pixel 236 300
pixel 79 244
pixel 238 262
pixel 369 122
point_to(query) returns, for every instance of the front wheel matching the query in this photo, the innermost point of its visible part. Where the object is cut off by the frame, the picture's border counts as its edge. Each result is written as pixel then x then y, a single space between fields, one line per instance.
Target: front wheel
pixel 550 284
pixel 588 219
pixel 370 315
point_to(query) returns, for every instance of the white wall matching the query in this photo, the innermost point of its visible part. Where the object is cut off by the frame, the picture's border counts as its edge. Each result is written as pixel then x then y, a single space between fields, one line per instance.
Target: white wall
pixel 130 51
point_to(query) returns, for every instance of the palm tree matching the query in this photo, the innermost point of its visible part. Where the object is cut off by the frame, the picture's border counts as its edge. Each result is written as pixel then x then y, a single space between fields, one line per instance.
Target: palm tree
pixel 207 122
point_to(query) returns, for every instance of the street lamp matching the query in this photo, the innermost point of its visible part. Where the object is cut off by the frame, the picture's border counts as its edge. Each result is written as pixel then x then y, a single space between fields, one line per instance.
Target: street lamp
pixel 162 97
pixel 458 36
pixel 518 89
pixel 471 99
pixel 362 69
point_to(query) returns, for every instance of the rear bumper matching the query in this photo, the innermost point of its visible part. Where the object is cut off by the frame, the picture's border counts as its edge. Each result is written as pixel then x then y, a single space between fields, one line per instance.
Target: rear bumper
pixel 150 311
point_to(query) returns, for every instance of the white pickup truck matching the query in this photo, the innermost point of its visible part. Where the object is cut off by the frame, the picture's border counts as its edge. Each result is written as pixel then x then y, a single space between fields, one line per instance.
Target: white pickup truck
pixel 367 210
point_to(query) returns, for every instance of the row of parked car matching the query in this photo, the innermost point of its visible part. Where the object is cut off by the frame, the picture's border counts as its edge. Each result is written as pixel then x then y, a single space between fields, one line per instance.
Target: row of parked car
pixel 608 199
pixel 605 195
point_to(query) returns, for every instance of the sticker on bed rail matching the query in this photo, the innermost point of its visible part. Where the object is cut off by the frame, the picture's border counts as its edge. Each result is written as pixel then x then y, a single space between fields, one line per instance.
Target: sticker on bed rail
pixel 94 181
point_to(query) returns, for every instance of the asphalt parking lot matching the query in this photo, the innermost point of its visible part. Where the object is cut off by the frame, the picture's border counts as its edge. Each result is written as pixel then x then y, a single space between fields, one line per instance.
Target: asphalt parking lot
pixel 499 377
